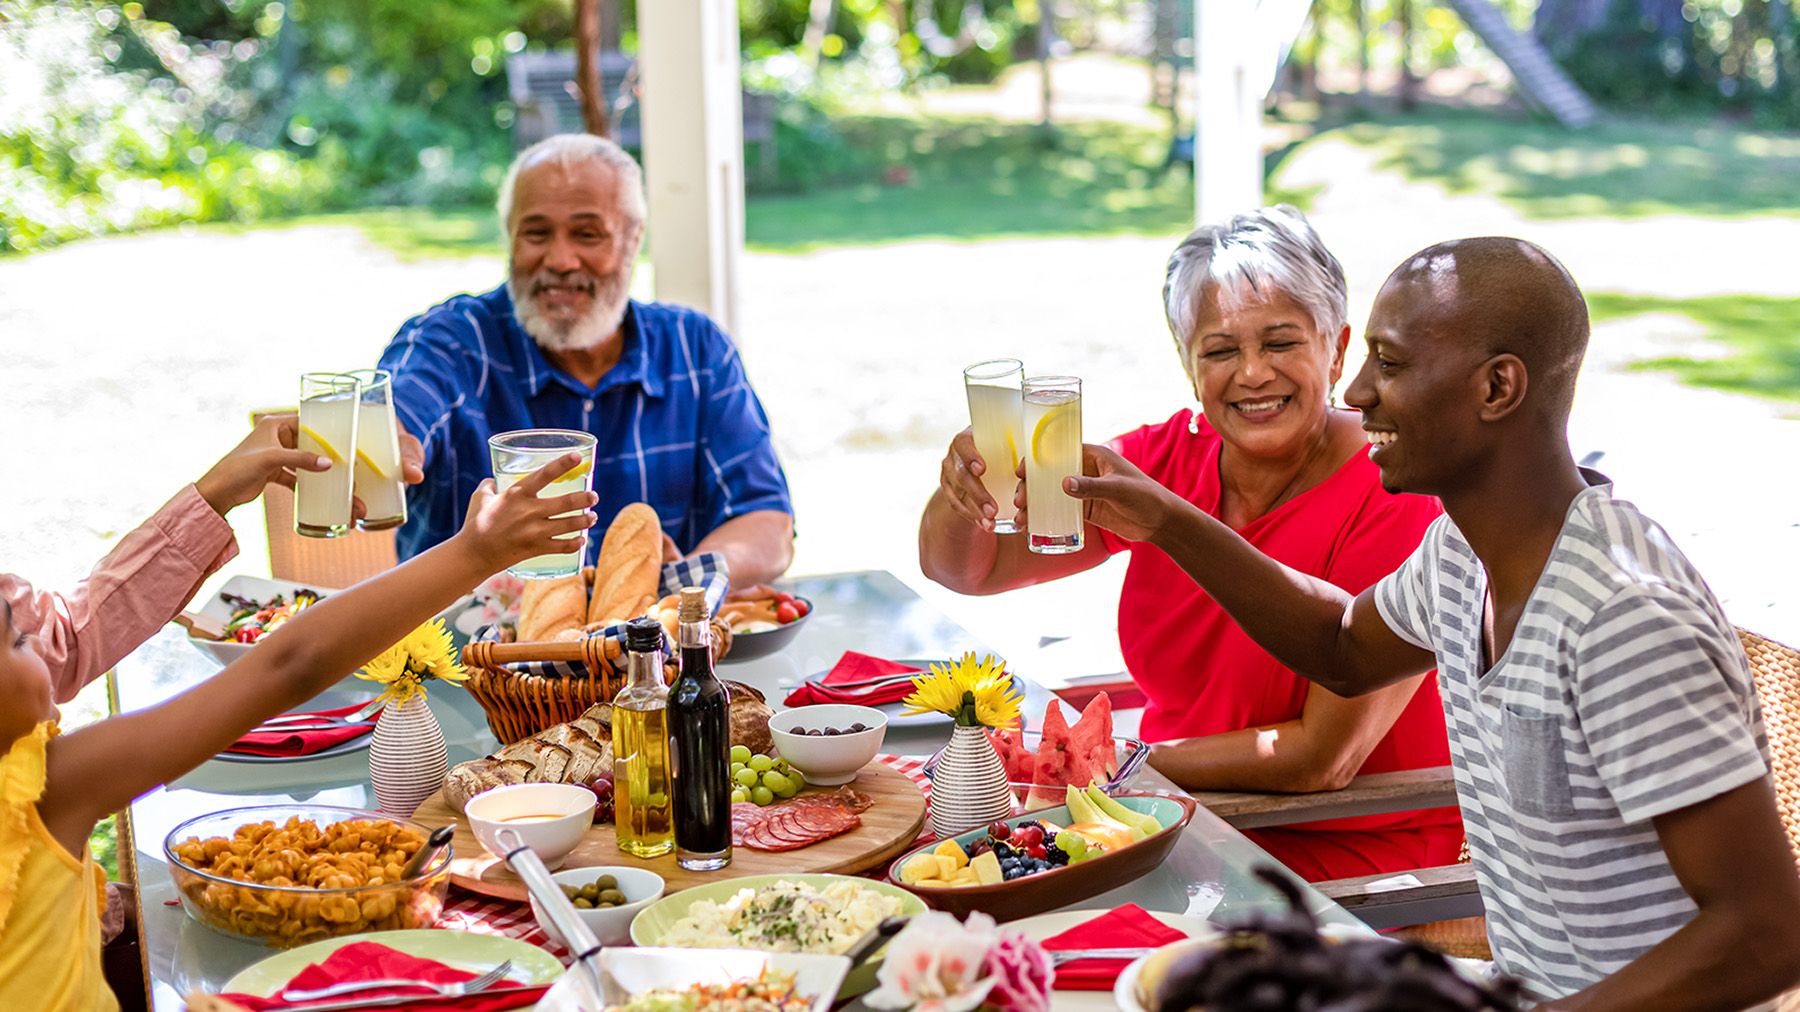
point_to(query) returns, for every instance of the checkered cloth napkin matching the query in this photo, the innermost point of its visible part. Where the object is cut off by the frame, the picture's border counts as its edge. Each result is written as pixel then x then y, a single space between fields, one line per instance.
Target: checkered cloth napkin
pixel 486 915
pixel 708 570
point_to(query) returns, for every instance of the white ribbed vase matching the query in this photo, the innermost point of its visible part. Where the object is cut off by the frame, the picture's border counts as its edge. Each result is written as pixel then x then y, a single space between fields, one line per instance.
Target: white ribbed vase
pixel 969 786
pixel 407 758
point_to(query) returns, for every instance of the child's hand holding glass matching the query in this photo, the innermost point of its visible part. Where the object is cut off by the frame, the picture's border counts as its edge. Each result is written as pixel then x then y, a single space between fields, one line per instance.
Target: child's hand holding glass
pixel 508 527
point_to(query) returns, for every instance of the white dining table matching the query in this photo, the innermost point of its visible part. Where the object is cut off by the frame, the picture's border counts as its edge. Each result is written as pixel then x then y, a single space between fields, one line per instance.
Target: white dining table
pixel 1208 874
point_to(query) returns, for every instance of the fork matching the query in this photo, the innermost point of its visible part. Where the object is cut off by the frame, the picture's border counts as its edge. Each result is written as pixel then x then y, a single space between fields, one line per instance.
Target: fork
pixel 481 983
pixel 1058 958
pixel 314 722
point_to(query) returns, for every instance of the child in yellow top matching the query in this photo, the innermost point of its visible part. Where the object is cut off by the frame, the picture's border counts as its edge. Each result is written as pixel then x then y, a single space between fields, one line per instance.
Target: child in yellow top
pixel 53 789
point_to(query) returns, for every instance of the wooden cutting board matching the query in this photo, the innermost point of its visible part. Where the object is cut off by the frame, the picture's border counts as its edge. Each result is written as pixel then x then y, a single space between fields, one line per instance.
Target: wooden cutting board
pixel 888 829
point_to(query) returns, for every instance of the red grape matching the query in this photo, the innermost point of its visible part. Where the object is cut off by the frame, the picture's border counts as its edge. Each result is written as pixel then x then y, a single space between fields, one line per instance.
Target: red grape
pixel 1000 831
pixel 602 786
pixel 1027 836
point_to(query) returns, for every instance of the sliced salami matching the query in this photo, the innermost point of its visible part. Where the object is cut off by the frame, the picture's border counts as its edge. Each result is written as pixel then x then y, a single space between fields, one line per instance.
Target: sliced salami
pixel 805 820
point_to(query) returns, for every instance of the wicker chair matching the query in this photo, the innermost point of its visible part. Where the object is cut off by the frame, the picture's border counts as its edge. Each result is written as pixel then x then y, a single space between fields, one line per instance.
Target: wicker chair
pixel 332 563
pixel 1450 892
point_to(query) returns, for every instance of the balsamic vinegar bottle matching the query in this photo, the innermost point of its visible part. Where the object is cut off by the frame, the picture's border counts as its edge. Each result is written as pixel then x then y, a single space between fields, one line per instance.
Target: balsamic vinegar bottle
pixel 699 715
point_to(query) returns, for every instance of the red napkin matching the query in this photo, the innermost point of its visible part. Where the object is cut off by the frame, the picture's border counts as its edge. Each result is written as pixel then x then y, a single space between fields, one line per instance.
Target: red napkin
pixel 286 743
pixel 854 667
pixel 1127 927
pixel 373 961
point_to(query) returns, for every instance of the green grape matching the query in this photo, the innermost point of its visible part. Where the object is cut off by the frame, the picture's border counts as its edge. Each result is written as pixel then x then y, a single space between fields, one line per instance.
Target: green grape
pixel 1075 846
pixel 774 781
pixel 789 787
pixel 740 754
pixel 739 794
pixel 735 767
pixel 761 763
pixel 747 778
pixel 762 796
pixel 797 777
pixel 782 764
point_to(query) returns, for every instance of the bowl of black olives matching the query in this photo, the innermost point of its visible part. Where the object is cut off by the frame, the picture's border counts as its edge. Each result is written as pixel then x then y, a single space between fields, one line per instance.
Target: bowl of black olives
pixel 605 897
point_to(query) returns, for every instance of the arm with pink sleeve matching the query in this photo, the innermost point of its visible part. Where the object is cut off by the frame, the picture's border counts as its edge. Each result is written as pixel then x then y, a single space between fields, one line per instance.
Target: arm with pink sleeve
pixel 140 585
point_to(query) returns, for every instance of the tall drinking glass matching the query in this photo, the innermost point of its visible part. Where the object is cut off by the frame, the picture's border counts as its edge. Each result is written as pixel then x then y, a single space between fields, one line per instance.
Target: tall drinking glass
pixel 328 411
pixel 377 471
pixel 995 413
pixel 517 454
pixel 1053 418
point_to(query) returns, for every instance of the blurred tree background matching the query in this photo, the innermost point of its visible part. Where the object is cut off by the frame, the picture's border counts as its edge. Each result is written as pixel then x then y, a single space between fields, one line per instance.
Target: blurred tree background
pixel 116 117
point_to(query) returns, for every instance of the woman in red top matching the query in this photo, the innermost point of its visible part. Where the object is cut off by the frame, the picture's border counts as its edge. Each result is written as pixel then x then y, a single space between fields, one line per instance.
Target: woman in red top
pixel 1257 307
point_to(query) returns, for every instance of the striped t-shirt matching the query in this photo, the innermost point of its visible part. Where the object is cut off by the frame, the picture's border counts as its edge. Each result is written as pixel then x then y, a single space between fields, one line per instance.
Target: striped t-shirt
pixel 1623 695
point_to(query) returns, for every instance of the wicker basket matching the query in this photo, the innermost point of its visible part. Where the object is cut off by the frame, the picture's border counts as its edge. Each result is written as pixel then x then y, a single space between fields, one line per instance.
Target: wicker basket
pixel 519 705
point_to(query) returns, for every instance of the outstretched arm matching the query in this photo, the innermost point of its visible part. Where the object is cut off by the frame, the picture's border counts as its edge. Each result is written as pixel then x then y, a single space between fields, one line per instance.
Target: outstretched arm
pixel 1731 856
pixel 758 545
pixel 1313 627
pixel 102 767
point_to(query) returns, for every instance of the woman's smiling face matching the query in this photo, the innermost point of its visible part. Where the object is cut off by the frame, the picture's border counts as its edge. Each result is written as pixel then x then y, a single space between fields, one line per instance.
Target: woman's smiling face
pixel 1263 372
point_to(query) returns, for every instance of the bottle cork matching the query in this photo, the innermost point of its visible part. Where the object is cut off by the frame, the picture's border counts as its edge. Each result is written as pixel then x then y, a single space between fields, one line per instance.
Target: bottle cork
pixel 693 605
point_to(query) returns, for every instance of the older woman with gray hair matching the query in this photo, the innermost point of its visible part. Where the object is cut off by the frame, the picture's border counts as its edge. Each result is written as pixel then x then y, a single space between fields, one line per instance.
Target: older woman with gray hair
pixel 1257 309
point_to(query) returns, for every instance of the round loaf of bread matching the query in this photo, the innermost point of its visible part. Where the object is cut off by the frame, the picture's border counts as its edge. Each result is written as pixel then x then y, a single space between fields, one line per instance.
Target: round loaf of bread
pixel 630 565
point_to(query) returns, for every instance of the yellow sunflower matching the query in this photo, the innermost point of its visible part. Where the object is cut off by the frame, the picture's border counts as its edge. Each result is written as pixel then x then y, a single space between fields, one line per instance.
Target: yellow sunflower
pixel 426 654
pixel 973 691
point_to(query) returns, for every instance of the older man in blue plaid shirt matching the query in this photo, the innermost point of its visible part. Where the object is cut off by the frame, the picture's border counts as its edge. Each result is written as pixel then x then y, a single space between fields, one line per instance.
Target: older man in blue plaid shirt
pixel 562 345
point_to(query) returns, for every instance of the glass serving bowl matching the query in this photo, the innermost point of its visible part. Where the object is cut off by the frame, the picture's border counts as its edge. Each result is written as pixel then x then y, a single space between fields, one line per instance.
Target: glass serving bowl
pixel 284 916
pixel 1130 754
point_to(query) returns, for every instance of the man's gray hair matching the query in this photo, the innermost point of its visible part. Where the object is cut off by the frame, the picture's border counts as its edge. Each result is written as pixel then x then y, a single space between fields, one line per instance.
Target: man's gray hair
pixel 570 150
pixel 1271 249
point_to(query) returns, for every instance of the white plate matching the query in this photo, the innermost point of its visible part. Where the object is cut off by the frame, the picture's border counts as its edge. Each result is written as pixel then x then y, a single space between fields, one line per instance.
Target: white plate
pixel 639 970
pixel 474 953
pixel 256 588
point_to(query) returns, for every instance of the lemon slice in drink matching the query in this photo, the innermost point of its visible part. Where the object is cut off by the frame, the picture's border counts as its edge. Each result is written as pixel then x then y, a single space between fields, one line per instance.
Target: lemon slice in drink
pixel 363 459
pixel 319 445
pixel 574 472
pixel 1012 452
pixel 1055 426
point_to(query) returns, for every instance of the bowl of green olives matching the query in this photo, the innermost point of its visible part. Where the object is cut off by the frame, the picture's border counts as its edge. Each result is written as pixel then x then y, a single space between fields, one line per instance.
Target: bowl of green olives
pixel 605 897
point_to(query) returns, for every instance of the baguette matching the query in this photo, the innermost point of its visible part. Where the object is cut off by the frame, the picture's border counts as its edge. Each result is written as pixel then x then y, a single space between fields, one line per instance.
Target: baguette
pixel 630 564
pixel 550 607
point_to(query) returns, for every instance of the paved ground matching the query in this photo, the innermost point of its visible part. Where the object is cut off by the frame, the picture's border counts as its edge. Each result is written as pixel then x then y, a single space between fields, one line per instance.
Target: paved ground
pixel 131 364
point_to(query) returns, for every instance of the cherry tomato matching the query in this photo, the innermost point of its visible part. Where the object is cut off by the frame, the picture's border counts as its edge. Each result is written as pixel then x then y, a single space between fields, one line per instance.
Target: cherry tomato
pixel 802 607
pixel 785 612
pixel 783 597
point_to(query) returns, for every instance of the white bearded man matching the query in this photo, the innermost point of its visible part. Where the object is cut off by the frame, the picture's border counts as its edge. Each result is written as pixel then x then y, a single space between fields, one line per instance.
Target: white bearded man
pixel 562 345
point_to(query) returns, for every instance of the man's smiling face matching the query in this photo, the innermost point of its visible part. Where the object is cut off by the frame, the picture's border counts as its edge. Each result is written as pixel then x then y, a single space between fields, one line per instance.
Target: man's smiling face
pixel 572 255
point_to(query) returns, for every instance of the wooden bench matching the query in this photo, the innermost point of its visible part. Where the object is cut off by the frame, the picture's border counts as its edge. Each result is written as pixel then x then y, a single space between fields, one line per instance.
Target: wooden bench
pixel 545 98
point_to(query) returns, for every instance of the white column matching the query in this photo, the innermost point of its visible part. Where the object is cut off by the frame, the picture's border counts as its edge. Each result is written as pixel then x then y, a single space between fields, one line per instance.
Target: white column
pixel 1228 157
pixel 693 124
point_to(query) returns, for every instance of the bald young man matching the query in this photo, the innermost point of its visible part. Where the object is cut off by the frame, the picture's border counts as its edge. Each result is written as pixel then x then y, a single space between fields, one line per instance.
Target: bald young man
pixel 1608 748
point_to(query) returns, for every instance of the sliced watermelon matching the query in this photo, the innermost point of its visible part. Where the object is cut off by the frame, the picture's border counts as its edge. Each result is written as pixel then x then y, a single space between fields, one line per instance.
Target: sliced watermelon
pixel 1019 761
pixel 1059 762
pixel 1092 738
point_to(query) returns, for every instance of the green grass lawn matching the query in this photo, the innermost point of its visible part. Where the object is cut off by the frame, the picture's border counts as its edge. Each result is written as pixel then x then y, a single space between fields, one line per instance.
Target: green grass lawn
pixel 1762 336
pixel 1617 168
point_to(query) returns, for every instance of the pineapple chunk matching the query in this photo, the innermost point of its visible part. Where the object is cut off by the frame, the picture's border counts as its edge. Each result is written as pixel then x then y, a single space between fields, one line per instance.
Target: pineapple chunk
pixel 987 869
pixel 933 883
pixel 946 866
pixel 919 867
pixel 967 876
pixel 952 850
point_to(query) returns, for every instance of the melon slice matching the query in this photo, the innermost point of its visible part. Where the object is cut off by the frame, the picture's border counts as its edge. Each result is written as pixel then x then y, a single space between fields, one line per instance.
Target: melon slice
pixel 1092 738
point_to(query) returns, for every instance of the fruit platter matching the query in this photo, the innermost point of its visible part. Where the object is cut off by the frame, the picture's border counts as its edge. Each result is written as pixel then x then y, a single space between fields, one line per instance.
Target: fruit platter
pixel 1048 858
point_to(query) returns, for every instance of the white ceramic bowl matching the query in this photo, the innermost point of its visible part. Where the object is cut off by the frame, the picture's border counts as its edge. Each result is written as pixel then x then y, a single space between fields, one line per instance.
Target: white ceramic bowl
pixel 570 807
pixel 612 925
pixel 256 588
pixel 832 759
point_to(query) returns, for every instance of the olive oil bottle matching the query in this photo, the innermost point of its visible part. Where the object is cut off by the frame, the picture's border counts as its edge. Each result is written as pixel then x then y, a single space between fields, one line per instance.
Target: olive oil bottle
pixel 642 818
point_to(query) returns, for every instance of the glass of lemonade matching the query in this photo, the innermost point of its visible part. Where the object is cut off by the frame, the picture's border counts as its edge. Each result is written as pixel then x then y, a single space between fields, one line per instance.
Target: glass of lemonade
pixel 517 454
pixel 1053 424
pixel 995 413
pixel 328 415
pixel 377 471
